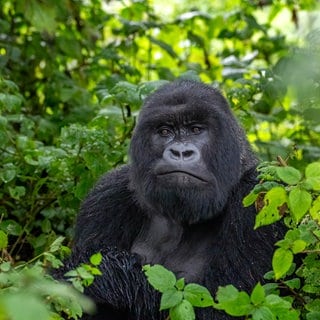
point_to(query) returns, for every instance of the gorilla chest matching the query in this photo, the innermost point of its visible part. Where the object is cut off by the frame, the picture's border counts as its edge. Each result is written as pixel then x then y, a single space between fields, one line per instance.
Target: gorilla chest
pixel 163 241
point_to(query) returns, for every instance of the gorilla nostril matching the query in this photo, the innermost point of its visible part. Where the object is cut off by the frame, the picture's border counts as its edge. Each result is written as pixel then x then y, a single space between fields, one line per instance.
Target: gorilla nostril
pixel 187 153
pixel 175 153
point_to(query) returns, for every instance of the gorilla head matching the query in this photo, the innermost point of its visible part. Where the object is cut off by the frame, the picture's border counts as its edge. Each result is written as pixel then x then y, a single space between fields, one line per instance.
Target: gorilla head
pixel 187 152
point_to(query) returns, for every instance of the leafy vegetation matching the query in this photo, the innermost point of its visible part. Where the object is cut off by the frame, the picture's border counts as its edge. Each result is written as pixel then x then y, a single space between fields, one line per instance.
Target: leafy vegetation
pixel 178 297
pixel 72 78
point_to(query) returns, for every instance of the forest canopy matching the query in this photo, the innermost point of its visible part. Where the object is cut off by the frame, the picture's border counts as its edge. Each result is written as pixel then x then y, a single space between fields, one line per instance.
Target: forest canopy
pixel 73 75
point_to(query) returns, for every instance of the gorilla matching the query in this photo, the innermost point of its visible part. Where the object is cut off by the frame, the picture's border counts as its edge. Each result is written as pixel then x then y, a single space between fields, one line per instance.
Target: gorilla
pixel 178 203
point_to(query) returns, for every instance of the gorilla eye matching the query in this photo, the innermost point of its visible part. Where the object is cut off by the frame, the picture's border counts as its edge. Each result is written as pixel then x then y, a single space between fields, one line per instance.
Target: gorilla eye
pixel 196 130
pixel 164 132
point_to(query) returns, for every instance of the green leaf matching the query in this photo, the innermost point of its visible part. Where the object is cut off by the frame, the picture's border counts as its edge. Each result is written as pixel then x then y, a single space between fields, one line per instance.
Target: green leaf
pixel 281 262
pixel 77 283
pixel 17 192
pixel 3 240
pixel 180 284
pixel 311 288
pixel 313 305
pixel 315 210
pixel 11 102
pixel 281 308
pixel 313 175
pixel 313 315
pixel 165 46
pixel 96 259
pixel 313 170
pixel 41 15
pixel 29 159
pixel 84 273
pixel 170 299
pixel 313 183
pixel 95 271
pixel 198 295
pixel 298 246
pixel 3 120
pixel 293 283
pixel 159 277
pixel 71 273
pixel 299 203
pixel 262 313
pixel 126 92
pixel 8 175
pixel 292 235
pixel 46 226
pixel 5 266
pixel 85 183
pixel 183 311
pixel 55 262
pixel 257 295
pixel 72 48
pixel 56 244
pixel 250 199
pixel 289 175
pixel 30 306
pixel 274 200
pixel 232 301
pixel 11 227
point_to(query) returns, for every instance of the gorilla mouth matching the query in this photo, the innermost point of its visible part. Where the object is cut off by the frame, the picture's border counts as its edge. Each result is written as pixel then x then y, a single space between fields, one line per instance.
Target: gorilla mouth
pixel 182 173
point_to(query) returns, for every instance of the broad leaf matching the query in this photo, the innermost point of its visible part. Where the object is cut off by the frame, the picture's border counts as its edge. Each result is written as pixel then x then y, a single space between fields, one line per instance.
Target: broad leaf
pixel 258 294
pixel 8 175
pixel 281 308
pixel 232 301
pixel 96 259
pixel 170 298
pixel 180 284
pixel 313 175
pixel 183 311
pixel 250 199
pixel 198 295
pixel 313 170
pixel 315 209
pixel 159 277
pixel 289 175
pixel 262 313
pixel 22 306
pixel 56 244
pixel 299 203
pixel 274 200
pixel 298 246
pixel 281 262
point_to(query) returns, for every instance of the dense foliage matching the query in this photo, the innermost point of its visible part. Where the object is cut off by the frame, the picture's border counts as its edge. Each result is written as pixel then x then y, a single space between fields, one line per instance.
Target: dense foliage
pixel 72 78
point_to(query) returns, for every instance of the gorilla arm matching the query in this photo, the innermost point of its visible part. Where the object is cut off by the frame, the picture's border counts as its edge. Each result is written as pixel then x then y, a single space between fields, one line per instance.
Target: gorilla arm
pixel 122 291
pixel 108 223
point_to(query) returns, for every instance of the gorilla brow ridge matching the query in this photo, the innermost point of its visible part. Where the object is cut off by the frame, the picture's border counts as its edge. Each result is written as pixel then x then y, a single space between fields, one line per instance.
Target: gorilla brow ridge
pixel 178 117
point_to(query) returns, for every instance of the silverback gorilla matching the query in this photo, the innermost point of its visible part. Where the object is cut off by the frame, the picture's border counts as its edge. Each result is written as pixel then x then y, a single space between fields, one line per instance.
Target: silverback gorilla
pixel 178 203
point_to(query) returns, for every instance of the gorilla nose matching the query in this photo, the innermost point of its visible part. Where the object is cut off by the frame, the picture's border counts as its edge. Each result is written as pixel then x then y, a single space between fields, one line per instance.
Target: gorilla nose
pixel 179 152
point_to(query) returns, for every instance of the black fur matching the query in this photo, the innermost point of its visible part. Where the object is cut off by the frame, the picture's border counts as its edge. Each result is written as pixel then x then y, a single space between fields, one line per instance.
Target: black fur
pixel 200 230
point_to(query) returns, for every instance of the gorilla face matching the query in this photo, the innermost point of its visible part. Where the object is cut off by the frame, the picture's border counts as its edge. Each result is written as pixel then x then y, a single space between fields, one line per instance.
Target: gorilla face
pixel 181 164
pixel 186 152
